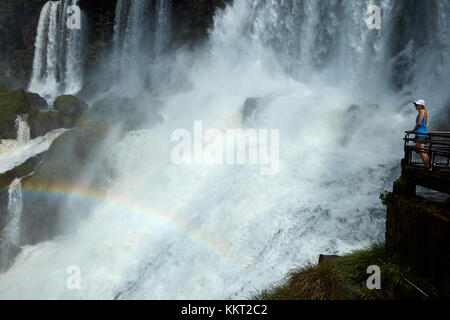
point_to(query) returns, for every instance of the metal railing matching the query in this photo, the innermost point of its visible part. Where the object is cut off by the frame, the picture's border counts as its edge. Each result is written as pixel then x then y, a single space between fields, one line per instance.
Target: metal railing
pixel 437 147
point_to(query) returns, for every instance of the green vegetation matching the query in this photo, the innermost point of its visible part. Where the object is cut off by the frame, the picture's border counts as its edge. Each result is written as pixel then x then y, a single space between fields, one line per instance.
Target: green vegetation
pixel 42 122
pixel 19 19
pixel 414 259
pixel 345 279
pixel 70 109
pixel 12 104
pixel 4 81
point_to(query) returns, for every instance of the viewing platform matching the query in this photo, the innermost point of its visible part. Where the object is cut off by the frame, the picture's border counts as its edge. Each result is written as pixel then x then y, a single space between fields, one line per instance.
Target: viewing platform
pixel 438 149
pixel 418 228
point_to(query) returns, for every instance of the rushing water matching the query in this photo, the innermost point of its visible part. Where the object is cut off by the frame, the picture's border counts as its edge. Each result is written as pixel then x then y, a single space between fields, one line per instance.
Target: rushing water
pixel 23 131
pixel 142 33
pixel 16 152
pixel 335 89
pixel 11 231
pixel 58 65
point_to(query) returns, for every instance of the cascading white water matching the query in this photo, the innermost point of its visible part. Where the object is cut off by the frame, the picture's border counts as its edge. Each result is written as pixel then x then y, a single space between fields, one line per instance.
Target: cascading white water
pixel 13 153
pixel 23 131
pixel 133 18
pixel 137 24
pixel 58 66
pixel 11 231
pixel 141 34
pixel 163 26
pixel 324 80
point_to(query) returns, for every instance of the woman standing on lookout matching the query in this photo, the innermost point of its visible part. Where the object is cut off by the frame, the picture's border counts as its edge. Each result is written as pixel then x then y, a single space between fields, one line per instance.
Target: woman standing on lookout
pixel 421 131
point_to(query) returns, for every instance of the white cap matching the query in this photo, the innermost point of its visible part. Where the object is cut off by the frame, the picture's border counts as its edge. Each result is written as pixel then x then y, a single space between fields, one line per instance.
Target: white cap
pixel 420 102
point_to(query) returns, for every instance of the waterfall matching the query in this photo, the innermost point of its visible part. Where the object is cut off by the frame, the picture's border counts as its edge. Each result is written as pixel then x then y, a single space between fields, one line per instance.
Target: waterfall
pixel 11 231
pixel 332 37
pixel 141 34
pixel 142 23
pixel 313 70
pixel 58 65
pixel 10 234
pixel 132 20
pixel 23 131
pixel 163 25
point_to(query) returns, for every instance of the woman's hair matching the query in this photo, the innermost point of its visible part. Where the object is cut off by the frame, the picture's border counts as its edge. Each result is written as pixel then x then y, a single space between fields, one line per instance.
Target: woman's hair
pixel 422 108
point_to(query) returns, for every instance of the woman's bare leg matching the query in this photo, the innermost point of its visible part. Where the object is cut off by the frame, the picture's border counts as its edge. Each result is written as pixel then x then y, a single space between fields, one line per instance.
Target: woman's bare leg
pixel 420 147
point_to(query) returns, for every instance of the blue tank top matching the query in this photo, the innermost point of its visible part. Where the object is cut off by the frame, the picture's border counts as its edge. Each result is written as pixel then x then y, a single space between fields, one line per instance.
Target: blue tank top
pixel 423 127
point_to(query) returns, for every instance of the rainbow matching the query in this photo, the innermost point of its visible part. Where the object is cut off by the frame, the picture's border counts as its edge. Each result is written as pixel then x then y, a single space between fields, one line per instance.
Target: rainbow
pixel 126 205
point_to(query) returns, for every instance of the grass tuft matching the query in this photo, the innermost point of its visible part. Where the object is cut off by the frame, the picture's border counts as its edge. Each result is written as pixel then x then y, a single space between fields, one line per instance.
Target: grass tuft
pixel 345 279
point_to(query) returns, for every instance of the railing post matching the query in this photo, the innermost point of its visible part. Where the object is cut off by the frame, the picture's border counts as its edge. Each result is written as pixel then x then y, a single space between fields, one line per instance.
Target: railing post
pixel 431 153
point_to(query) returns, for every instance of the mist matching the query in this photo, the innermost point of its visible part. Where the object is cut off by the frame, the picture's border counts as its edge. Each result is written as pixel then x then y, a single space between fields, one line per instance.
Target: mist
pixel 139 226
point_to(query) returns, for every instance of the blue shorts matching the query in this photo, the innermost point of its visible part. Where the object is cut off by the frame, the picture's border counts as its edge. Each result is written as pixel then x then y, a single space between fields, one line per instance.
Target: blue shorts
pixel 421 139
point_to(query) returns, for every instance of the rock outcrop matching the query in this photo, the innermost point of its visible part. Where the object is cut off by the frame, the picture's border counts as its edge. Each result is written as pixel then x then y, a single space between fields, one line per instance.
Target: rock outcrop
pixel 68 109
pixel 71 154
pixel 12 104
pixel 130 114
pixel 6 178
pixel 419 231
pixel 36 101
pixel 76 161
pixel 18 172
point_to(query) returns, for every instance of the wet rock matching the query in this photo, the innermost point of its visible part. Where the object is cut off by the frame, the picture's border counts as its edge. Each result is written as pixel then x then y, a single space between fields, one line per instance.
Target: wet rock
pixel 36 101
pixel 12 104
pixel 130 114
pixel 252 107
pixel 77 160
pixel 18 172
pixel 8 252
pixel 70 109
pixel 3 207
pixel 73 153
pixel 5 180
pixel 354 118
pixel 41 122
pixel 323 259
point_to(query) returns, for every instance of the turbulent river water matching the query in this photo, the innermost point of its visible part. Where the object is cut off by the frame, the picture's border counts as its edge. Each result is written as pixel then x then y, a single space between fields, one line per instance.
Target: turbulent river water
pixel 338 93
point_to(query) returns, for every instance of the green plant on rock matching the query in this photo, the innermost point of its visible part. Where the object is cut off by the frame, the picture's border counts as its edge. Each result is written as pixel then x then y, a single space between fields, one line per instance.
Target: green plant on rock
pixel 12 104
pixel 42 122
pixel 345 279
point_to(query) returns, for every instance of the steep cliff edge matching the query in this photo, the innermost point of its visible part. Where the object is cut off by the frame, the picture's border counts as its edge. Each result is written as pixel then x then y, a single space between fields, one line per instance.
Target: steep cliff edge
pixel 419 231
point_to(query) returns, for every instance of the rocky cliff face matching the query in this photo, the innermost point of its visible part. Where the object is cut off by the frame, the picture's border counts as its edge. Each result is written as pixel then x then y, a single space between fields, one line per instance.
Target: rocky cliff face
pixel 18 20
pixel 419 231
